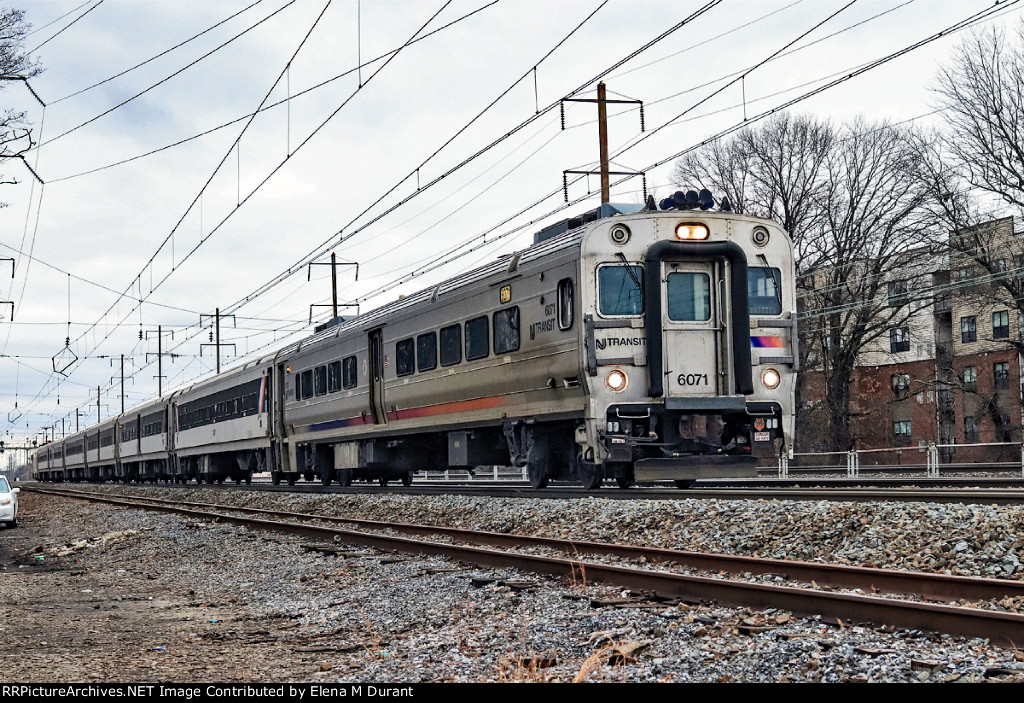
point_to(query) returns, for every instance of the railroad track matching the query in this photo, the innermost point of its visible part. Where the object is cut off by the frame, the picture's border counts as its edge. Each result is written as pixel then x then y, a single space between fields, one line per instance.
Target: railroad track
pixel 475 547
pixel 778 490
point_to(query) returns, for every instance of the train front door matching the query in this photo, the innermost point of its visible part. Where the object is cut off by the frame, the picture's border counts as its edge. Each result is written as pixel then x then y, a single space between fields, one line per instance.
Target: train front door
pixel 375 355
pixel 692 294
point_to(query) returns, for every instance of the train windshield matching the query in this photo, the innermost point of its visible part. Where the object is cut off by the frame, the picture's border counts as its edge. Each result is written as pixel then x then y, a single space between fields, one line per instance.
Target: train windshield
pixel 762 290
pixel 621 290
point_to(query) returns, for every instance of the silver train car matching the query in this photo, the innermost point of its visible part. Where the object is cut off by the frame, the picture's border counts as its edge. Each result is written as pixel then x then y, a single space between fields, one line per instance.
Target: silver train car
pixel 628 344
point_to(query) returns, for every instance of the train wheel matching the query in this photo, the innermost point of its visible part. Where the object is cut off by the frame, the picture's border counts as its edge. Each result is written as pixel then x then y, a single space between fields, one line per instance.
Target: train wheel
pixel 248 478
pixel 291 479
pixel 407 479
pixel 624 481
pixel 684 483
pixel 345 477
pixel 382 481
pixel 275 478
pixel 325 477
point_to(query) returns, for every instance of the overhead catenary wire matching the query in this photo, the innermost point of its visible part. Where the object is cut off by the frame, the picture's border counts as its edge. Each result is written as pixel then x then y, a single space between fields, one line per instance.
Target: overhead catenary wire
pixel 157 56
pixel 271 106
pixel 167 78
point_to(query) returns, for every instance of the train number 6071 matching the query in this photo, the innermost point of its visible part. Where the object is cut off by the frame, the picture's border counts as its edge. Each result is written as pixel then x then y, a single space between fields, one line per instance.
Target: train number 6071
pixel 692 379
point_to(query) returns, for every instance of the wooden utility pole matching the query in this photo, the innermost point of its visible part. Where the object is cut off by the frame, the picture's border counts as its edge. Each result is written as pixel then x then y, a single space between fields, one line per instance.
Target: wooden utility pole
pixel 602 136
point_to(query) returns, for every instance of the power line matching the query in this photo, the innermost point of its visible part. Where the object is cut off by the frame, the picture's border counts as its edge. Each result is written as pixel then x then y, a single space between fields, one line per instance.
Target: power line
pixel 154 58
pixel 164 80
pixel 66 27
pixel 271 106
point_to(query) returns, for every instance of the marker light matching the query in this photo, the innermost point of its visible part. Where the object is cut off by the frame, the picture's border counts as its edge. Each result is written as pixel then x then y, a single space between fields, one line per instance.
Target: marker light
pixel 616 380
pixel 771 379
pixel 690 230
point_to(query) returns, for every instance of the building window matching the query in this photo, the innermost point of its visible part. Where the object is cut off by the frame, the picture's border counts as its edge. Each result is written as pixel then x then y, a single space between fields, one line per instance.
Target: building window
pixel 1004 433
pixel 1001 371
pixel 1001 324
pixel 970 429
pixel 901 433
pixel 968 329
pixel 970 378
pixel 998 272
pixel 897 293
pixel 900 385
pixel 899 339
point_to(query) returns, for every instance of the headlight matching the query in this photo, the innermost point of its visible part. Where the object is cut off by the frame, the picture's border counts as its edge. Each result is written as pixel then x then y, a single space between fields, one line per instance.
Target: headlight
pixel 771 379
pixel 691 230
pixel 616 380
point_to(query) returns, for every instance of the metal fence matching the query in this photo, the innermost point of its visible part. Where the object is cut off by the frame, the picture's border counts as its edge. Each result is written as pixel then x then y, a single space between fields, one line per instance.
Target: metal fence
pixel 932 467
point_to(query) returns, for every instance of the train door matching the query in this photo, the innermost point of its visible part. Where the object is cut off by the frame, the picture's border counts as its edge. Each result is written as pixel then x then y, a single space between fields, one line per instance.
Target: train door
pixel 375 354
pixel 692 295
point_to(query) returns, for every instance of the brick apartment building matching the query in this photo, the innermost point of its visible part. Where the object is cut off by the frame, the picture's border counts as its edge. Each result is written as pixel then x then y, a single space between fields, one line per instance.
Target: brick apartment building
pixel 951 372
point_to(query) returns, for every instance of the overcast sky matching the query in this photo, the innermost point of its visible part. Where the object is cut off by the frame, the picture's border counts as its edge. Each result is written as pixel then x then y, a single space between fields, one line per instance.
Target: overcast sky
pixel 167 228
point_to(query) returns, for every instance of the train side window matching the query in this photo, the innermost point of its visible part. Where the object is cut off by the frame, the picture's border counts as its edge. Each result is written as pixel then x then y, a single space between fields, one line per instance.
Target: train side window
pixel 307 384
pixel 298 386
pixel 506 331
pixel 320 380
pixel 762 291
pixel 426 351
pixel 334 377
pixel 565 303
pixel 620 290
pixel 476 338
pixel 349 378
pixel 405 357
pixel 451 345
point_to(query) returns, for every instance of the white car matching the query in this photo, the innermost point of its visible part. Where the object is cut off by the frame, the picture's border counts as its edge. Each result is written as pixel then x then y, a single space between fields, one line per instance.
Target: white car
pixel 8 503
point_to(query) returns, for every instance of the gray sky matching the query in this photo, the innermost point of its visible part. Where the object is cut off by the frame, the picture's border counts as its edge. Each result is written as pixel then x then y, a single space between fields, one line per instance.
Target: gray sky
pixel 133 228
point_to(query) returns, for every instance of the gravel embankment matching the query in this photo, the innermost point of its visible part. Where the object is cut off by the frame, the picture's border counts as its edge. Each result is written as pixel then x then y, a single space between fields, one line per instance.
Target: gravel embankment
pixel 133 596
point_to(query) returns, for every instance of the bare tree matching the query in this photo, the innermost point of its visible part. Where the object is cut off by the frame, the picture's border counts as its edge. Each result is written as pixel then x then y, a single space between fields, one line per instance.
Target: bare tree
pixel 852 201
pixel 15 65
pixel 981 94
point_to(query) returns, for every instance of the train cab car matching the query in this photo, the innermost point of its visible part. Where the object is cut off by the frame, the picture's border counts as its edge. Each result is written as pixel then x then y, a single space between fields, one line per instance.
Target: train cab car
pixel 690 334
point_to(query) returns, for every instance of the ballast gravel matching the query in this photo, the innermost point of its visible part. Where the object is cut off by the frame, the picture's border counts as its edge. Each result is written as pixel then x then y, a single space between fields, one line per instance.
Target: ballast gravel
pixel 90 592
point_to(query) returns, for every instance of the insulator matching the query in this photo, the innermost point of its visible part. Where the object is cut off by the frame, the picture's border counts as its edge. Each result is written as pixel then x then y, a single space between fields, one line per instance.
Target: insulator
pixel 561 107
pixel 641 117
pixel 211 335
pixel 565 187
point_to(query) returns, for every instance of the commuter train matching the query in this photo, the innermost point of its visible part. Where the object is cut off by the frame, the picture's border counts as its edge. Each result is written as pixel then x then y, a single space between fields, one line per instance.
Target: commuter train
pixel 632 343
